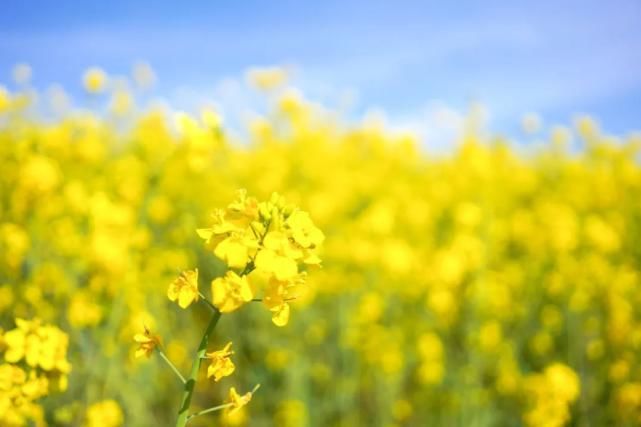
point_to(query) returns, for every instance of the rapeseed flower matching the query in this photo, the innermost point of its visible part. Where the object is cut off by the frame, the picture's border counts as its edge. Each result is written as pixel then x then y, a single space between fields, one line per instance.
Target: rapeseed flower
pixel 184 288
pixel 238 401
pixel 231 292
pixel 147 343
pixel 221 364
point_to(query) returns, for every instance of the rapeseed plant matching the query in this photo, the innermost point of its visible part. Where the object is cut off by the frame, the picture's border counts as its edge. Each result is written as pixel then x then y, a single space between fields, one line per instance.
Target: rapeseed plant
pixel 495 284
pixel 270 238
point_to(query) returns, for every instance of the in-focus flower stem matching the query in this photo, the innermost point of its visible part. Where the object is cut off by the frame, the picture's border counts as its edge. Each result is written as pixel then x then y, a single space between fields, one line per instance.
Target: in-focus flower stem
pixel 204 299
pixel 190 385
pixel 208 410
pixel 172 366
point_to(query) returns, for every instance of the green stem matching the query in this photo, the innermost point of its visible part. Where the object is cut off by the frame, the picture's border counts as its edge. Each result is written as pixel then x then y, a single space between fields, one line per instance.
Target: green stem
pixel 188 391
pixel 204 299
pixel 172 366
pixel 207 411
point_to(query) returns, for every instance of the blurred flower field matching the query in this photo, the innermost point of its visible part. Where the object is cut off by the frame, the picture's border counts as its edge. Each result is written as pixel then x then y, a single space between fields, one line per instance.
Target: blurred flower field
pixel 493 285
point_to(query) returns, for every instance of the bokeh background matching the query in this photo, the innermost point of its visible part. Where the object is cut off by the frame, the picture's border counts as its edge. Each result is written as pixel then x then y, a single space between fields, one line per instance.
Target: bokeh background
pixel 474 167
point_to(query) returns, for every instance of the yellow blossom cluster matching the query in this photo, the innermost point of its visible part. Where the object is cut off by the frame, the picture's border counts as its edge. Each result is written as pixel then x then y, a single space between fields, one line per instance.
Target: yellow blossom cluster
pixel 497 283
pixel 550 395
pixel 34 364
pixel 267 243
pixel 268 240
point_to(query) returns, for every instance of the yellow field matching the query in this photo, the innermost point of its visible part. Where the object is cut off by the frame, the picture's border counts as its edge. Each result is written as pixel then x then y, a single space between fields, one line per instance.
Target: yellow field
pixel 492 285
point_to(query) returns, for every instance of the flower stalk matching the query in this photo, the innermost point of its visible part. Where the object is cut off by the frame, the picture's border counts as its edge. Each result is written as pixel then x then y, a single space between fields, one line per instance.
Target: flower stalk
pixel 209 410
pixel 172 366
pixel 190 384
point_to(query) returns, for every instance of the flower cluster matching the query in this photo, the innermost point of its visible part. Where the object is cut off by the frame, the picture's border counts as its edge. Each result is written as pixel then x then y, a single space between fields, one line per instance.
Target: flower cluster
pixel 267 246
pixel 550 395
pixel 35 365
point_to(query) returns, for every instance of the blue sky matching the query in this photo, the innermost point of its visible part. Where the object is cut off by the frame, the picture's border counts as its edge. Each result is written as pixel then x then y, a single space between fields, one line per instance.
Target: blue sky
pixel 410 59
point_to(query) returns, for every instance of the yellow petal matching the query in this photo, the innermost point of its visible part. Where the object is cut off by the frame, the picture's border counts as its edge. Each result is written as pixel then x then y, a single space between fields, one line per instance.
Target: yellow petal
pixel 280 315
pixel 205 233
pixel 187 296
pixel 285 268
pixel 140 338
pixel 172 292
pixel 233 252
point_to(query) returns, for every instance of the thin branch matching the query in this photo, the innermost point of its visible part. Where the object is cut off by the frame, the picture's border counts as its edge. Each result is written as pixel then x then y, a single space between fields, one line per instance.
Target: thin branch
pixel 219 407
pixel 172 366
pixel 285 300
pixel 209 410
pixel 207 303
pixel 193 375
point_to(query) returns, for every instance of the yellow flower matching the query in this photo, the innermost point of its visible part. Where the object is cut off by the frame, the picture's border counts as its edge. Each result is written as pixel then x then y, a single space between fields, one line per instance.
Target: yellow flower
pixel 550 395
pixel 106 413
pixel 564 381
pixel 147 342
pixel 42 346
pixel 237 401
pixel 94 80
pixel 236 249
pixel 243 211
pixel 219 230
pixel 184 288
pixel 230 235
pixel 280 266
pixel 230 292
pixel 11 375
pixel 280 314
pixel 276 297
pixel 35 387
pixel 303 230
pixel 278 256
pixel 221 364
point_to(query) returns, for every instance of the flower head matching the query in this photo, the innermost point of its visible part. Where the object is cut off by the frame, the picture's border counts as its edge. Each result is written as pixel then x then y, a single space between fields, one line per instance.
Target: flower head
pixel 184 288
pixel 41 346
pixel 230 292
pixel 272 241
pixel 236 249
pixel 278 256
pixel 231 236
pixel 237 401
pixel 147 343
pixel 221 364
pixel 303 230
pixel 277 295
